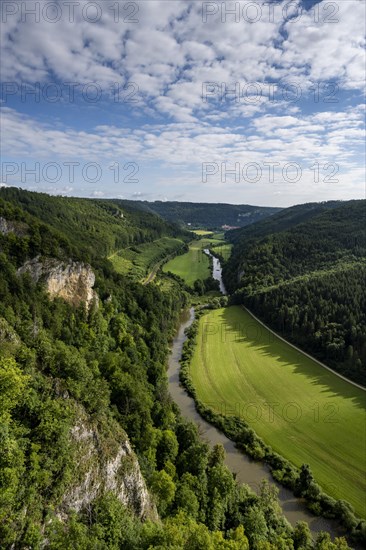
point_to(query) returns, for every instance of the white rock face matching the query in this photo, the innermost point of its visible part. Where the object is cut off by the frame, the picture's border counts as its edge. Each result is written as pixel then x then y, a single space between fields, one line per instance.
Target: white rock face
pixel 4 226
pixel 7 227
pixel 106 466
pixel 73 281
pixel 7 333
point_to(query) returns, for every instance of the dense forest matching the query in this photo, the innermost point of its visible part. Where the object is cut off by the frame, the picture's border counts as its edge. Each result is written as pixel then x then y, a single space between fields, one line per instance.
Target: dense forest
pixel 96 227
pixel 210 216
pixel 306 279
pixel 106 365
pixel 281 221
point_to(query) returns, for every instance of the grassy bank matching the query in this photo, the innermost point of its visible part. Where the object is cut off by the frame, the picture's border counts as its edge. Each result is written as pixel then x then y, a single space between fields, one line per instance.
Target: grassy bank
pixel 241 369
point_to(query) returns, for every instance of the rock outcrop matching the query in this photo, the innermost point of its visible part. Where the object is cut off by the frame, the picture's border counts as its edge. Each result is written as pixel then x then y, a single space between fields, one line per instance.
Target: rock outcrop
pixel 8 334
pixel 104 462
pixel 72 281
pixel 7 227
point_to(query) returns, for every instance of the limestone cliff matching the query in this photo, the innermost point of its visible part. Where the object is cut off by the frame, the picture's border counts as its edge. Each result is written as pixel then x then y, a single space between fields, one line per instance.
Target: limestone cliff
pixel 72 281
pixel 7 227
pixel 7 333
pixel 104 462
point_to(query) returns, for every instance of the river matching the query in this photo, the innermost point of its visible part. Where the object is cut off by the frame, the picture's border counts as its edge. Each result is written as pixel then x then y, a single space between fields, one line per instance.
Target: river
pixel 246 470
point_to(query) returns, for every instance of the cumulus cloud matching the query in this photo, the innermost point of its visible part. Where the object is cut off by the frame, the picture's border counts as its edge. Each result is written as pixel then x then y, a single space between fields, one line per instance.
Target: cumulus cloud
pixel 169 51
pixel 324 138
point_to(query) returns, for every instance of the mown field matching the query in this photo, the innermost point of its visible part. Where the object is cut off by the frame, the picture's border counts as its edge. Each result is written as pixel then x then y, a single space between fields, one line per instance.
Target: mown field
pixel 305 412
pixel 202 232
pixel 224 249
pixel 138 260
pixel 193 265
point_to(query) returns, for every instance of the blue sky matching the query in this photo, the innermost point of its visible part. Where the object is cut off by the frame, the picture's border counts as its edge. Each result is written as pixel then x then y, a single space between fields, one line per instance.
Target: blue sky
pixel 243 102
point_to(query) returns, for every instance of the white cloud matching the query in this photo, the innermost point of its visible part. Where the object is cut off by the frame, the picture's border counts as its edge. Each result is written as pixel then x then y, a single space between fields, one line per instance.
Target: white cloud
pixel 330 139
pixel 170 51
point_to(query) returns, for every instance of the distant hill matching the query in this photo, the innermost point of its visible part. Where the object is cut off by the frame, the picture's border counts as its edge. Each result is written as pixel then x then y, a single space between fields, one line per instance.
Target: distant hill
pixel 83 386
pixel 282 220
pixel 207 215
pixel 97 227
pixel 303 272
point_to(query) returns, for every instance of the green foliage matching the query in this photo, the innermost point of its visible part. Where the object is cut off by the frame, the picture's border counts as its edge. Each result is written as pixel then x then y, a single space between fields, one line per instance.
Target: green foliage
pixel 109 363
pixel 96 228
pixel 12 384
pixel 138 260
pixel 207 215
pixel 308 282
pixel 163 487
pixel 202 384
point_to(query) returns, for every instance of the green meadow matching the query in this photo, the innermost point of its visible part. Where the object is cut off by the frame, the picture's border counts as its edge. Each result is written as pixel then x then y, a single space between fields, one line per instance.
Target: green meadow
pixel 138 260
pixel 202 232
pixel 305 412
pixel 224 249
pixel 193 265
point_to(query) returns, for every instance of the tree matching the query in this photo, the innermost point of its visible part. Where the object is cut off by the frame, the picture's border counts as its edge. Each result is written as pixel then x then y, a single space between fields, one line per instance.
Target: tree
pixel 217 456
pixel 12 385
pixel 186 500
pixel 167 448
pixel 302 536
pixel 163 488
pixel 255 526
pixel 304 480
pixel 199 287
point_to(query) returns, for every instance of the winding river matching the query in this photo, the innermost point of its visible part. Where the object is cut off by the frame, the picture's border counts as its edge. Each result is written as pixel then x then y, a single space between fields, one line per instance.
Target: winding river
pixel 246 470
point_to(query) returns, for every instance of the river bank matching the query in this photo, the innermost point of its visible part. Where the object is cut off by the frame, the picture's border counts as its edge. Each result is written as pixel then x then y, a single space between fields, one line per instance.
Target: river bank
pixel 247 471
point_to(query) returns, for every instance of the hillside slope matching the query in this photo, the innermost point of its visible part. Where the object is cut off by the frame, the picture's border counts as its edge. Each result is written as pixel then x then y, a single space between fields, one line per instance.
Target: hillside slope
pixel 308 281
pixel 207 215
pixel 91 444
pixel 282 220
pixel 97 227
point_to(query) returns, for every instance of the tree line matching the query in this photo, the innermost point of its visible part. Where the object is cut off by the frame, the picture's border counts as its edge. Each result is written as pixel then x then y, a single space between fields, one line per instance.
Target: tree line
pixel 307 283
pixel 110 362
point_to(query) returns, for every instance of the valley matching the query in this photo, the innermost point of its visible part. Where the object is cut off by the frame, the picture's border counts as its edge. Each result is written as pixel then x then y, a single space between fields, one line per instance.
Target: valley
pixel 194 264
pixel 102 363
pixel 239 368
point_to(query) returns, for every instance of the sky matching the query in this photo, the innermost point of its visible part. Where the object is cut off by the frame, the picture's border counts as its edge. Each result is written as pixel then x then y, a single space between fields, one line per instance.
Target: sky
pixel 245 102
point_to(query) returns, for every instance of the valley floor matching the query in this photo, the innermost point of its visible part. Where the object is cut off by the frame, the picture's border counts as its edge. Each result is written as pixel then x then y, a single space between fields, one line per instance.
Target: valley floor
pixel 305 412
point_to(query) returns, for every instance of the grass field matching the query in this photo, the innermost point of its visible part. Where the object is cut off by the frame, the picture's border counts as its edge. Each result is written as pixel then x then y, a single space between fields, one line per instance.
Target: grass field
pixel 193 265
pixel 202 232
pixel 224 250
pixel 305 412
pixel 137 260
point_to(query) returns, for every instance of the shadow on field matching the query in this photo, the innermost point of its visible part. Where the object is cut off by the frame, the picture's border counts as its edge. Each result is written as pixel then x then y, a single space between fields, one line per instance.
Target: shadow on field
pixel 240 326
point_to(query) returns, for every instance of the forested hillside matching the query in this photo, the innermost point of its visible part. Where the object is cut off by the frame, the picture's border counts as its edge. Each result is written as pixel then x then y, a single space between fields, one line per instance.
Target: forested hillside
pixel 281 221
pixel 307 281
pixel 207 215
pixel 96 227
pixel 81 385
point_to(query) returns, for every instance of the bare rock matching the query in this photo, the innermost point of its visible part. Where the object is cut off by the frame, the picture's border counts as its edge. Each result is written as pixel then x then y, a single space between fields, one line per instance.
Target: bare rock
pixel 18 228
pixel 72 281
pixel 105 463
